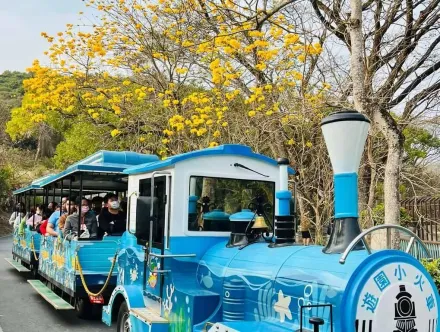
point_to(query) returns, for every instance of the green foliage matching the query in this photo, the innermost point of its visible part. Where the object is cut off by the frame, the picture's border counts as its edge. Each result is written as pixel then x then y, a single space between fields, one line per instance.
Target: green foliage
pixel 80 141
pixel 11 87
pixel 378 215
pixel 433 267
pixel 6 173
pixel 419 144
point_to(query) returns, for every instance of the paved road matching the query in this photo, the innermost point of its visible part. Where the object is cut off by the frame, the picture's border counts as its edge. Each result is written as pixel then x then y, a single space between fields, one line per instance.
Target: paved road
pixel 23 310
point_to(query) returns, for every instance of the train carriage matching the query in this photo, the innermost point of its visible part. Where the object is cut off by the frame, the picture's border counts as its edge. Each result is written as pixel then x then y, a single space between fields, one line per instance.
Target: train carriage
pixel 210 246
pixel 77 272
pixel 26 240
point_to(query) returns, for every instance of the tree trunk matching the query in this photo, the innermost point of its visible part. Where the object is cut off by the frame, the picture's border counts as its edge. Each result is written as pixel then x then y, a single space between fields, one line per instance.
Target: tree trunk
pixel 357 63
pixel 391 186
pixel 395 142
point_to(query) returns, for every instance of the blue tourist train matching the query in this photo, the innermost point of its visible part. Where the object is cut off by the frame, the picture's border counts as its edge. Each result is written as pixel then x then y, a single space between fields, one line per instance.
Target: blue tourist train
pixel 210 246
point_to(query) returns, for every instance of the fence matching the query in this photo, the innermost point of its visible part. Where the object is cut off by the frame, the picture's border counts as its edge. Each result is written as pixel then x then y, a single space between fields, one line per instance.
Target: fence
pixel 418 252
pixel 425 214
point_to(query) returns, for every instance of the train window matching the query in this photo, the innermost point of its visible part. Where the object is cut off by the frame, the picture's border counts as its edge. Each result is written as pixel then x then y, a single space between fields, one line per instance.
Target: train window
pixel 143 210
pixel 213 200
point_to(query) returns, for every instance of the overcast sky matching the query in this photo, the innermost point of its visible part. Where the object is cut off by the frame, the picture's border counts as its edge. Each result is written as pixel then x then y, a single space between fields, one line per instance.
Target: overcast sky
pixel 22 21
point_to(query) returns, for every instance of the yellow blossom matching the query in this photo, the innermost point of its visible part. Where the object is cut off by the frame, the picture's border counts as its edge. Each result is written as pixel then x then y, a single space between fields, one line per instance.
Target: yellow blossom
pixel 251 113
pixel 115 132
pixel 213 144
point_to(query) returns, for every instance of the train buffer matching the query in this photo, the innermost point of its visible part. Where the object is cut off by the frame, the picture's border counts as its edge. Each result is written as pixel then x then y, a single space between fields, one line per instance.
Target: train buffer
pixel 17 265
pixel 57 302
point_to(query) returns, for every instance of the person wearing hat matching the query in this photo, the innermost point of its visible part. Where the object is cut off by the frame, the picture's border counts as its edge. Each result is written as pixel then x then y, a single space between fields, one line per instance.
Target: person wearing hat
pixel 88 227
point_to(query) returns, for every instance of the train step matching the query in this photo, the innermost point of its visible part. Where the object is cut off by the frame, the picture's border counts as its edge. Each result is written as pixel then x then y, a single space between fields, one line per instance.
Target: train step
pixel 17 265
pixel 148 316
pixel 147 320
pixel 55 301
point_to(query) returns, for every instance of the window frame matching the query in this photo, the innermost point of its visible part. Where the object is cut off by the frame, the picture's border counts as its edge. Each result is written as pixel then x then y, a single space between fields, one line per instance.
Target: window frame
pixel 167 190
pixel 187 180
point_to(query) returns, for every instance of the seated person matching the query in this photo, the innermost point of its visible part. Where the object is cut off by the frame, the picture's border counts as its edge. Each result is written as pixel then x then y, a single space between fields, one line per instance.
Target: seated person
pixel 112 220
pixel 35 219
pixel 16 216
pixel 89 225
pixel 69 210
pixel 52 207
pixel 42 228
pixel 97 204
pixel 52 226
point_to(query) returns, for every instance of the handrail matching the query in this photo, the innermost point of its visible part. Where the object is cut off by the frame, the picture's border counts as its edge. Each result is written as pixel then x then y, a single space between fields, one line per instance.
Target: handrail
pixel 150 240
pixel 360 237
pixel 172 256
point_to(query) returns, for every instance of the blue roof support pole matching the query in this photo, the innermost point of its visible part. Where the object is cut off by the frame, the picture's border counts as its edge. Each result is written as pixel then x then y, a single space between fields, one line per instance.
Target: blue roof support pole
pixel 70 194
pixel 62 194
pixel 80 203
pixel 35 207
pixel 28 201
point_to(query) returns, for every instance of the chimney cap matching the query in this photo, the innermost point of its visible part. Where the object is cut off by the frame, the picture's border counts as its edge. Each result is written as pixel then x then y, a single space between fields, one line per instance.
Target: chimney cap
pixel 283 161
pixel 344 115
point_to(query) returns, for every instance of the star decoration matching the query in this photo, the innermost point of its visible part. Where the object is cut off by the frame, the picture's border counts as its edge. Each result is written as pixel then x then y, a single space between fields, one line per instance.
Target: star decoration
pixel 282 306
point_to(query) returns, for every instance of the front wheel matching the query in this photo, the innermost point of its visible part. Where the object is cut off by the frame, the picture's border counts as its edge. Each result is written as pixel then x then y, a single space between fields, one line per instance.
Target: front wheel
pixel 124 319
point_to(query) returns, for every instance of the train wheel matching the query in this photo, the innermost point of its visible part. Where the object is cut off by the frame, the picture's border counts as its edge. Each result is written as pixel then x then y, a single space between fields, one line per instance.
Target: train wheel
pixel 83 308
pixel 124 319
pixel 34 272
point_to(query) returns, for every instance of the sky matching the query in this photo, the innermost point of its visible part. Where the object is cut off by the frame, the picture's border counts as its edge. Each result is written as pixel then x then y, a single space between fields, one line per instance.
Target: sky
pixel 22 21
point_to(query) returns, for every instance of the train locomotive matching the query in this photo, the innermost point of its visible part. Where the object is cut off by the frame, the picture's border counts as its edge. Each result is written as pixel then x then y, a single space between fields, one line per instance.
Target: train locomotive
pixel 210 246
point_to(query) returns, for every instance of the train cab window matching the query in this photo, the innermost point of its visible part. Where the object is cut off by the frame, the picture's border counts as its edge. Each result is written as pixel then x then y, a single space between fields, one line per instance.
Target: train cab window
pixel 212 200
pixel 143 211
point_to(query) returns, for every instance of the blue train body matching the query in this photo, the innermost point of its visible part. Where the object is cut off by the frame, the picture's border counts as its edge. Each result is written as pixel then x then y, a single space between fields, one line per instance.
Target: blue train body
pixel 209 246
pixel 26 246
pixel 197 281
pixel 59 259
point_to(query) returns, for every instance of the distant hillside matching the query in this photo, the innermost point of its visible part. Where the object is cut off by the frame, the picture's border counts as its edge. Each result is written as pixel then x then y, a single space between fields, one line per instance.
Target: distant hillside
pixel 11 93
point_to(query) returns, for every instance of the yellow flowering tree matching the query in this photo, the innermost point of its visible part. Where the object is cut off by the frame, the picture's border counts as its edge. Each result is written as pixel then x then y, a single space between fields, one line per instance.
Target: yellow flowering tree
pixel 170 76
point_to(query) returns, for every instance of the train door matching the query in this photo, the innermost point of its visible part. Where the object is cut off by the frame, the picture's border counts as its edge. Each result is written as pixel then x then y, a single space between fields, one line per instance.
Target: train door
pixel 154 191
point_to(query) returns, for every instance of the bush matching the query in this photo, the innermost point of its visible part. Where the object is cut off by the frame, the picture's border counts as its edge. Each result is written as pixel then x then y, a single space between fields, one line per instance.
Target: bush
pixel 433 267
pixel 378 215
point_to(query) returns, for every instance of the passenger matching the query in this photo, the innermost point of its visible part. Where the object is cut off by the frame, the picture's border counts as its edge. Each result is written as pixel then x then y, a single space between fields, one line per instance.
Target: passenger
pixel 52 226
pixel 42 229
pixel 69 210
pixel 17 215
pixel 35 219
pixel 89 225
pixel 52 207
pixel 112 220
pixel 97 204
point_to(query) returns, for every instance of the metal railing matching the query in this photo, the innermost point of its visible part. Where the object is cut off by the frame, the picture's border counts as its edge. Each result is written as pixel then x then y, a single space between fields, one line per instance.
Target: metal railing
pixel 417 252
pixel 361 236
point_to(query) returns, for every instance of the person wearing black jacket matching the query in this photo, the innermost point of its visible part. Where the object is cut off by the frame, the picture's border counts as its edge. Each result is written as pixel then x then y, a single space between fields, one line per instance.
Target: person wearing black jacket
pixel 111 220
